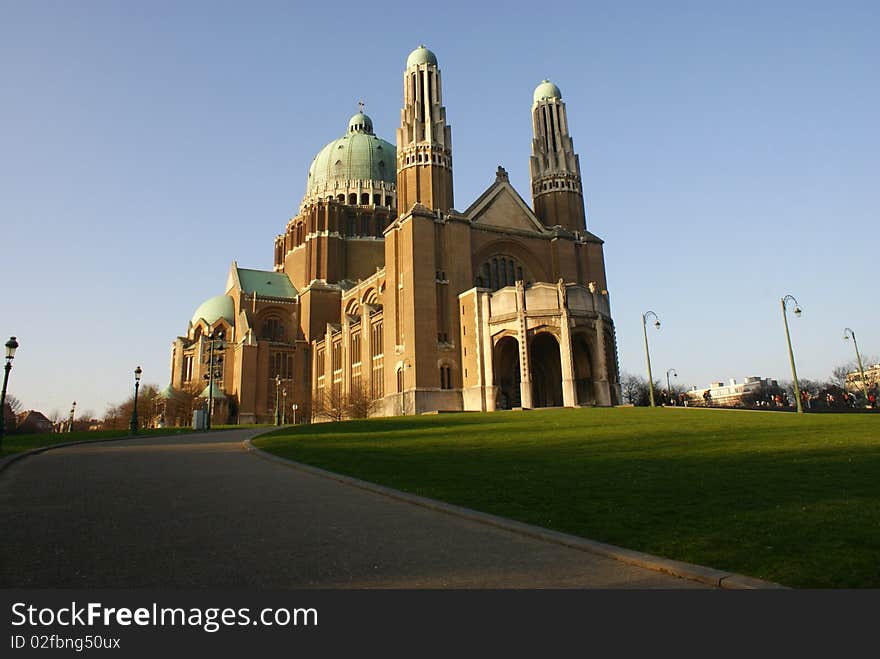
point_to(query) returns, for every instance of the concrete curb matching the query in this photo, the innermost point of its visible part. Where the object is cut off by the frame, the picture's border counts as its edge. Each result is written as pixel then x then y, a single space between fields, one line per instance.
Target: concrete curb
pixel 700 573
pixel 15 457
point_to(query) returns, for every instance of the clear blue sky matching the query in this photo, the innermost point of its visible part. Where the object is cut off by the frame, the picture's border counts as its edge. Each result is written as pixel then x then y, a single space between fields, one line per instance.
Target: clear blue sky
pixel 729 153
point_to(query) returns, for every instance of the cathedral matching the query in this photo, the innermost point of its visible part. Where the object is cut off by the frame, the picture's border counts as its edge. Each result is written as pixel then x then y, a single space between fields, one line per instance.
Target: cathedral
pixel 386 300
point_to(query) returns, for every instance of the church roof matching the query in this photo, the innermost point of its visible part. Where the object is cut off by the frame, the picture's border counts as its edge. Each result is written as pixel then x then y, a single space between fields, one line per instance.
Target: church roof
pixel 513 212
pixel 356 156
pixel 266 283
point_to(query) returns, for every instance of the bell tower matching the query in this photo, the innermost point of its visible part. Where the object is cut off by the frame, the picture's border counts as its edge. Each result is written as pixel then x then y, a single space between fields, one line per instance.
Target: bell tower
pixel 557 191
pixel 424 140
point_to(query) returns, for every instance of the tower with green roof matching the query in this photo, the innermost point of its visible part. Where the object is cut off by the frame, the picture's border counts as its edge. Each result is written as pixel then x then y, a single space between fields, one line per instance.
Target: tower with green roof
pixel 557 189
pixel 424 139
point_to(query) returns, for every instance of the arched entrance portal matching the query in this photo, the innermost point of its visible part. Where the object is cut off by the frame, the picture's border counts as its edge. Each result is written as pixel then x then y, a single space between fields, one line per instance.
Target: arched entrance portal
pixel 583 370
pixel 507 377
pixel 546 371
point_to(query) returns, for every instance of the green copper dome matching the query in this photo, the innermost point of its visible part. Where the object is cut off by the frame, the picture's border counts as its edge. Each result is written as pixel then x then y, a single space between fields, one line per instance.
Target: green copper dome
pixel 359 155
pixel 167 392
pixel 212 309
pixel 547 90
pixel 421 55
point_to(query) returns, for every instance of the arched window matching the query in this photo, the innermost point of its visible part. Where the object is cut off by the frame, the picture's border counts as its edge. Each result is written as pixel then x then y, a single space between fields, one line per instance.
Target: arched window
pixel 446 377
pixel 499 271
pixel 272 329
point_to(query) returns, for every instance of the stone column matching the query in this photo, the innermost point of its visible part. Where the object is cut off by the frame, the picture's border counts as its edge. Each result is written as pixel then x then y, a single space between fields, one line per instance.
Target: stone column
pixel 525 374
pixel 366 357
pixel 603 392
pixel 347 358
pixel 569 393
pixel 487 350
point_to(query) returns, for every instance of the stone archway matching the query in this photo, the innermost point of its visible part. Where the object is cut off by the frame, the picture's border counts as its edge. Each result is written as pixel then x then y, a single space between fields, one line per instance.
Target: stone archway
pixel 506 373
pixel 546 368
pixel 583 370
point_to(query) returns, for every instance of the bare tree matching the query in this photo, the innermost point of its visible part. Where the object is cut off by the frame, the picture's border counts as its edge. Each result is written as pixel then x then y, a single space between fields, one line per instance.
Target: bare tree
pixel 332 405
pixel 359 403
pixel 636 392
pixel 631 385
pixel 118 417
pixel 839 373
pixel 14 404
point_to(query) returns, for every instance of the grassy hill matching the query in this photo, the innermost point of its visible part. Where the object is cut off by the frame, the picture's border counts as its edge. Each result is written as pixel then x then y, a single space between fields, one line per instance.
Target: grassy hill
pixel 790 498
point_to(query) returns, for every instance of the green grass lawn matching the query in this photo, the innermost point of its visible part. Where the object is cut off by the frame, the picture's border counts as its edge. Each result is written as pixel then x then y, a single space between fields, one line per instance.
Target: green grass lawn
pixel 790 498
pixel 26 442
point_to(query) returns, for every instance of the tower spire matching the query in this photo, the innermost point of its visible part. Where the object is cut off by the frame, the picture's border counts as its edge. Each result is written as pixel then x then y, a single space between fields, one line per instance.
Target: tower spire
pixel 557 189
pixel 424 140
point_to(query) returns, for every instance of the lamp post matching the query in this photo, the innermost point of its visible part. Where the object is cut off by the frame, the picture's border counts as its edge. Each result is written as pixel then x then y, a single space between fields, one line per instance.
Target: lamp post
pixel 277 402
pixel 133 426
pixel 11 346
pixel 647 352
pixel 70 420
pixel 847 333
pixel 284 406
pixel 668 390
pixel 294 407
pixel 797 312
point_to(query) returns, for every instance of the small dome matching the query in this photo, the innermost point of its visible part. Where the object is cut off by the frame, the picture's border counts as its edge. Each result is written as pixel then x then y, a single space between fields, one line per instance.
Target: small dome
pixel 167 392
pixel 215 392
pixel 547 90
pixel 360 123
pixel 421 55
pixel 212 309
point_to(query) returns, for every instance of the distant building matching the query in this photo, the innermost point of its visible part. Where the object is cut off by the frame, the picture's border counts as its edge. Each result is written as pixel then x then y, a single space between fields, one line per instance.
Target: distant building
pixel 872 379
pixel 733 393
pixel 33 421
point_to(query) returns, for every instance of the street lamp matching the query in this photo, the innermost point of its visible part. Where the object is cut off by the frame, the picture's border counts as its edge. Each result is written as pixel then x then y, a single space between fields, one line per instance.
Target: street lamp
pixel 797 312
pixel 133 426
pixel 284 406
pixel 277 402
pixel 294 407
pixel 647 352
pixel 11 346
pixel 847 332
pixel 70 420
pixel 675 374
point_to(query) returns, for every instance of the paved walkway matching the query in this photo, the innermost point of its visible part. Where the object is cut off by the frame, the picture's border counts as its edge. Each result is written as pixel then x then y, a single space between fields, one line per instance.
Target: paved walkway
pixel 199 511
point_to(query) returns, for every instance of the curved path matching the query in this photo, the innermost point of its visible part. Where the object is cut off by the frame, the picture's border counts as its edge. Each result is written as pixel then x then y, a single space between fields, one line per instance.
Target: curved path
pixel 198 511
